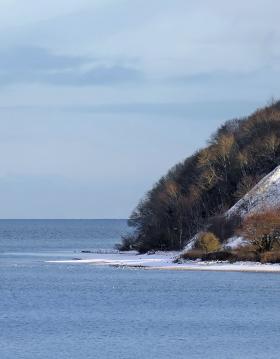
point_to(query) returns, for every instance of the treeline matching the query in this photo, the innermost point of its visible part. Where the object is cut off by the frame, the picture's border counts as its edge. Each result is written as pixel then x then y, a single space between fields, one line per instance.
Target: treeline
pixel 200 189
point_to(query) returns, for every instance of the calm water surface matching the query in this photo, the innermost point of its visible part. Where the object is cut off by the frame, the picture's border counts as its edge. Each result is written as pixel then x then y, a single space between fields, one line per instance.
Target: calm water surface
pixel 80 311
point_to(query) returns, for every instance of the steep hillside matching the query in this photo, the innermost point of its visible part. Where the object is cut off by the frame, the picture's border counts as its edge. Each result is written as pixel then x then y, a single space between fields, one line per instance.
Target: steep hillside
pixel 265 195
pixel 208 183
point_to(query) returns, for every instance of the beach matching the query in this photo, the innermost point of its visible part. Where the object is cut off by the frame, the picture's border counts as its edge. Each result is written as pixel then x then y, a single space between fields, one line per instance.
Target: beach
pixel 164 261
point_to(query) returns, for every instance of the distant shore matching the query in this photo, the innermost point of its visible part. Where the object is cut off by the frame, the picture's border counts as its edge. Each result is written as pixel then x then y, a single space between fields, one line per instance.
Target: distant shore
pixel 165 261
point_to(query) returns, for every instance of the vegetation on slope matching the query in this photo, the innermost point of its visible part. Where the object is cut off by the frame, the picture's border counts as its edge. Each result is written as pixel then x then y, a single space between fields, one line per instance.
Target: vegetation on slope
pixel 199 190
pixel 261 230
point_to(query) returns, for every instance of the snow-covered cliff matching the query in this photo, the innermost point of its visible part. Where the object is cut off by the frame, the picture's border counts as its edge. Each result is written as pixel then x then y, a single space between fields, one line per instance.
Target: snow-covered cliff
pixel 265 195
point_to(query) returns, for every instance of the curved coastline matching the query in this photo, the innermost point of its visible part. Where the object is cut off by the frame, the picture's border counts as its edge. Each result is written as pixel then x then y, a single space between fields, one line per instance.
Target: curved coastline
pixel 165 261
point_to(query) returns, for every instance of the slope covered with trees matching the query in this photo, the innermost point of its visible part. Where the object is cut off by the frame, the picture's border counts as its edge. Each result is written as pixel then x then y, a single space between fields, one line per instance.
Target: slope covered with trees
pixel 200 189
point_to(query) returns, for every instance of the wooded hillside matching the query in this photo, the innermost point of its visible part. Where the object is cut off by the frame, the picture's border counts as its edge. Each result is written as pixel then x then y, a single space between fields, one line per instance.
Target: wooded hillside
pixel 208 183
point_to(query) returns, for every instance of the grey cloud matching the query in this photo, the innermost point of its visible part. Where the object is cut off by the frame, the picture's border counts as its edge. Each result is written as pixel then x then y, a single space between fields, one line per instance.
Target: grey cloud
pixel 200 110
pixel 194 110
pixel 100 75
pixel 259 84
pixel 38 65
pixel 36 58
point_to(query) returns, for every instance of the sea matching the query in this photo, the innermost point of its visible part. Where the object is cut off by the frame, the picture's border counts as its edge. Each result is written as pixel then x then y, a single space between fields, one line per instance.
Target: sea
pixel 70 311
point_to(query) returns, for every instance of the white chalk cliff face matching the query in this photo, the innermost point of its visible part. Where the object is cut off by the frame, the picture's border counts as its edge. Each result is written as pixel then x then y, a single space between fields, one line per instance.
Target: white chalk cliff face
pixel 265 195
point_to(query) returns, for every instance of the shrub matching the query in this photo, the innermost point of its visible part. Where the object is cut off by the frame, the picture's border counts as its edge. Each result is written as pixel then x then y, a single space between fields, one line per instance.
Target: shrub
pixel 219 256
pixel 208 242
pixel 246 254
pixel 240 255
pixel 271 257
pixel 262 230
pixel 192 255
pixel 213 256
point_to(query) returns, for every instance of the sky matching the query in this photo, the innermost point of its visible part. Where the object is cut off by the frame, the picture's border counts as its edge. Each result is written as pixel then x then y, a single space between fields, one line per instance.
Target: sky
pixel 99 98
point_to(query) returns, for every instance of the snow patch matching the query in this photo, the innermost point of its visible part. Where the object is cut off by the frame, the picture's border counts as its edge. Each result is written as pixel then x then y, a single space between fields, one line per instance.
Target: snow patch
pixel 165 261
pixel 235 242
pixel 191 243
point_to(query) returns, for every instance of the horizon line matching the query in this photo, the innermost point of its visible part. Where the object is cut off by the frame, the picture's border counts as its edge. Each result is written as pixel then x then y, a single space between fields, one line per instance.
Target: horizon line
pixel 63 219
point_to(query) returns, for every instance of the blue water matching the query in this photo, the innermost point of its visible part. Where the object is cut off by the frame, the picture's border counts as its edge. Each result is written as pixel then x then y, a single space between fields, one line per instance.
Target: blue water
pixel 51 311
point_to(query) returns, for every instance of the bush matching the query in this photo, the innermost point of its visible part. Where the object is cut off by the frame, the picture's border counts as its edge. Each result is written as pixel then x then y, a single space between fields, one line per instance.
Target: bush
pixel 271 257
pixel 262 230
pixel 219 256
pixel 246 254
pixel 192 255
pixel 241 254
pixel 213 256
pixel 208 242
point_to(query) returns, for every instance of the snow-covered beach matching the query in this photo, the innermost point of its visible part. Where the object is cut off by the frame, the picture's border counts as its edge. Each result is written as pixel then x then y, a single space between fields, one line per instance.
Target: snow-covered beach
pixel 165 261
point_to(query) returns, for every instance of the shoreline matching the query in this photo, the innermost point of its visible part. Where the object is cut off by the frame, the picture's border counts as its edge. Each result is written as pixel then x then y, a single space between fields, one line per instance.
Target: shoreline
pixel 165 261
